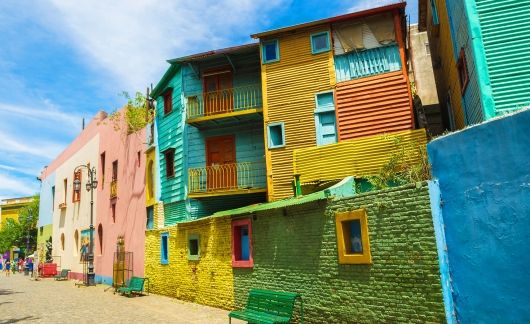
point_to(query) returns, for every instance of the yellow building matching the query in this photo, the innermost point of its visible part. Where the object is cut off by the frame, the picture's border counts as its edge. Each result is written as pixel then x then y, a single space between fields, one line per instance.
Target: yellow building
pixel 10 208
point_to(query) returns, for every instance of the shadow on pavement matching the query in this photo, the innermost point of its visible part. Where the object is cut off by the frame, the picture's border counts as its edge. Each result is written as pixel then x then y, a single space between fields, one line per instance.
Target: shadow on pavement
pixel 7 302
pixel 8 292
pixel 16 320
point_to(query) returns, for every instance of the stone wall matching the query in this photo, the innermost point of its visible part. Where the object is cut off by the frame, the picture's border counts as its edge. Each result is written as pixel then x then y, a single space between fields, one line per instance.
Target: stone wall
pixel 296 250
pixel 208 281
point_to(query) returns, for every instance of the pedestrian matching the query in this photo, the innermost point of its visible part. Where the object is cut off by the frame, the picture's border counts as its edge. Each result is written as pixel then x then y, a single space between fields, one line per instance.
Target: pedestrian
pixel 8 267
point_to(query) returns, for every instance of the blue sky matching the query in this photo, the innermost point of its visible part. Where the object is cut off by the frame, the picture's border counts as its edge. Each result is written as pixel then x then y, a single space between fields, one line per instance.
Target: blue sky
pixel 64 60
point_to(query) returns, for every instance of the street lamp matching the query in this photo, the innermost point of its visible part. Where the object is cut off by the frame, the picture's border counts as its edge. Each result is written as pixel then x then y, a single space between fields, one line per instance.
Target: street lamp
pixel 90 186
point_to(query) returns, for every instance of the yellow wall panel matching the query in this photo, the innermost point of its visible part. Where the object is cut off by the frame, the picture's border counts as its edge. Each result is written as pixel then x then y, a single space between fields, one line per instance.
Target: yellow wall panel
pixel 359 157
pixel 290 86
pixel 208 281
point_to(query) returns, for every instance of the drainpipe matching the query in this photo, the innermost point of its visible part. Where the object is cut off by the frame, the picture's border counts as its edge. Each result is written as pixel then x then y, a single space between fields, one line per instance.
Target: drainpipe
pixel 297 188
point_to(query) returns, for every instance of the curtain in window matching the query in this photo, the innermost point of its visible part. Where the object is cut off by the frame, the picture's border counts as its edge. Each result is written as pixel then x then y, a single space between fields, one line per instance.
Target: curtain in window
pixel 382 27
pixel 347 37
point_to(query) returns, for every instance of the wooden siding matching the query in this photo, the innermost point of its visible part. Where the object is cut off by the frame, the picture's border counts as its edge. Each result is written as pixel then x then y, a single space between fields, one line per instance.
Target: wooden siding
pixel 289 88
pixel 373 105
pixel 505 26
pixel 360 157
pixel 170 129
pixel 175 212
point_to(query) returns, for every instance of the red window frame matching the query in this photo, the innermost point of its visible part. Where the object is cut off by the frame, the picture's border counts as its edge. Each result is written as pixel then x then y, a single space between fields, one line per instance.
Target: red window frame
pixel 462 71
pixel 76 196
pixel 168 101
pixel 236 243
pixel 169 156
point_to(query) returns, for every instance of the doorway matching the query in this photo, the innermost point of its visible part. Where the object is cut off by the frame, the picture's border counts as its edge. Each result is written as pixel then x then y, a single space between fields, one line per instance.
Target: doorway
pixel 221 171
pixel 218 92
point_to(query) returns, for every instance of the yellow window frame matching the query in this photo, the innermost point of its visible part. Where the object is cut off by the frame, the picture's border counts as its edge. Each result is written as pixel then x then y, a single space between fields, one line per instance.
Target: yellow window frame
pixel 353 258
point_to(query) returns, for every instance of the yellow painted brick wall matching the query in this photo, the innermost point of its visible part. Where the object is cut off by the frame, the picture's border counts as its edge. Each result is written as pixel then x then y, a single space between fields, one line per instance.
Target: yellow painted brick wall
pixel 208 281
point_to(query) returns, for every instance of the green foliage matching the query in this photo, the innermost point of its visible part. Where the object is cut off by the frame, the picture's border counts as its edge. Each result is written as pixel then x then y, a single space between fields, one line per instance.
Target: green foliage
pixel 15 233
pixel 136 114
pixel 408 163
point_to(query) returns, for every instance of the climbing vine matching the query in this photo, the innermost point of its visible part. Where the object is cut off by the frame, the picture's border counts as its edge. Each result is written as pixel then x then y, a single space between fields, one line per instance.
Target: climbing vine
pixel 136 115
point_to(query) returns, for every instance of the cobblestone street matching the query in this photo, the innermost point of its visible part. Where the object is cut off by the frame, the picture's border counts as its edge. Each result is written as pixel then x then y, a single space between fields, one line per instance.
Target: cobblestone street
pixel 49 301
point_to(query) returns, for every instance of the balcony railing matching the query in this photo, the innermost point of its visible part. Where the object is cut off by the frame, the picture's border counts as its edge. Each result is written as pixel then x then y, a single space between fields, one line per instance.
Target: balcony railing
pixel 113 189
pixel 223 101
pixel 226 177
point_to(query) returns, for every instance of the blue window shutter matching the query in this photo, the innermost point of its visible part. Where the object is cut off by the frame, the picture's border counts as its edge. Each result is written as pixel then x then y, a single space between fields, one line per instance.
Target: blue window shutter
pixel 326 130
pixel 245 244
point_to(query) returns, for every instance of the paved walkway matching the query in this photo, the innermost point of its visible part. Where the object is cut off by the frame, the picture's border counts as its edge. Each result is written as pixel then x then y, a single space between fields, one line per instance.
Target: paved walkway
pixel 47 301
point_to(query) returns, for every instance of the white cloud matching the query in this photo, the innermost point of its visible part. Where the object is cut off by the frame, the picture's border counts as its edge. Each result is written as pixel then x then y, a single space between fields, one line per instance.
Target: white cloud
pixel 132 39
pixel 11 187
pixel 46 112
pixel 39 148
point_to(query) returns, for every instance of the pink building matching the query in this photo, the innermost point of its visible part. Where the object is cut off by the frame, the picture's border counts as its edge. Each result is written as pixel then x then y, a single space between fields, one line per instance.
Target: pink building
pixel 121 205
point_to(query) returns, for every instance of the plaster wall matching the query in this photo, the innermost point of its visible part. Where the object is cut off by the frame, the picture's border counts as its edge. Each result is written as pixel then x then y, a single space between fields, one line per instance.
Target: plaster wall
pixel 484 177
pixel 422 66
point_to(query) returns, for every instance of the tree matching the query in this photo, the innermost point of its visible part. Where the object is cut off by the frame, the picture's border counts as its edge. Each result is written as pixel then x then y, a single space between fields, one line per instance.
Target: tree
pixel 15 233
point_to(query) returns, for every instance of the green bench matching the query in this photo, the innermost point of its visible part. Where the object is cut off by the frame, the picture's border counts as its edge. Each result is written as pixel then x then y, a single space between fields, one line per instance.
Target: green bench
pixel 268 307
pixel 136 285
pixel 63 275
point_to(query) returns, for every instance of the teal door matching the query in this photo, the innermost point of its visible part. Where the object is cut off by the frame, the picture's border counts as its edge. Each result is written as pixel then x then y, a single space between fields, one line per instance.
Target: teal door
pixel 326 129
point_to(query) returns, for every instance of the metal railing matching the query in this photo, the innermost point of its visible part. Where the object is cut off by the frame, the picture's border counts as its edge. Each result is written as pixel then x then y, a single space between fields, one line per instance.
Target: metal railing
pixel 223 101
pixel 114 189
pixel 222 177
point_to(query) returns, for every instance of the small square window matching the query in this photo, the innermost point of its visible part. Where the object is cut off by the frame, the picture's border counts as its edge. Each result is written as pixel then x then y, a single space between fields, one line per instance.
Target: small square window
pixel 352 237
pixel 193 247
pixel 320 42
pixel 276 133
pixel 169 157
pixel 164 252
pixel 270 51
pixel 242 244
pixel 462 70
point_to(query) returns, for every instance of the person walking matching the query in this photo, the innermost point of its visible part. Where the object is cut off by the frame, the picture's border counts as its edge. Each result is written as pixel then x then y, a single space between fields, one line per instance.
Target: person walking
pixel 8 268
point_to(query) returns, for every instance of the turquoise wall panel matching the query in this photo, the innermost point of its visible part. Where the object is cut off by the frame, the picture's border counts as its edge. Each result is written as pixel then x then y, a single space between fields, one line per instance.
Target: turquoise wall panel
pixel 171 133
pixel 505 28
pixel 369 62
pixel 207 206
pixel 175 212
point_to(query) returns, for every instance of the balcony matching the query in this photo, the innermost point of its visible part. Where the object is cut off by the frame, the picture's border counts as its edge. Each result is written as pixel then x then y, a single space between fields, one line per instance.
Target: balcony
pixel 227 179
pixel 359 157
pixel 113 189
pixel 233 103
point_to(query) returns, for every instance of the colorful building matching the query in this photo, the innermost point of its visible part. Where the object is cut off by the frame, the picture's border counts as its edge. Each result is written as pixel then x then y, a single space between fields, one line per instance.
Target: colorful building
pixel 209 133
pixel 328 84
pixel 10 209
pixel 119 210
pixel 479 51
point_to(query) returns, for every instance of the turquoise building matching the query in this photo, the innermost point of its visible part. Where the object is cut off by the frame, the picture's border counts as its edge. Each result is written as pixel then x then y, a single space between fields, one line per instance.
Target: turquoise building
pixel 209 127
pixel 489 41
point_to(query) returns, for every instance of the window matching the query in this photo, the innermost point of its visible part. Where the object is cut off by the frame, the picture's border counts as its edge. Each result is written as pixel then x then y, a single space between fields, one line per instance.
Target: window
pixel 150 178
pixel 113 212
pixel 41 230
pixel 352 237
pixel 100 238
pixel 102 159
pixel 193 247
pixel 76 241
pixel 168 101
pixel 62 241
pixel 53 198
pixel 320 42
pixel 276 132
pixel 115 170
pixel 169 157
pixel 65 183
pixel 242 244
pixel 76 196
pixel 462 70
pixel 270 51
pixel 434 13
pixel 164 252
pixel 150 217
pixel 138 157
pixel 325 118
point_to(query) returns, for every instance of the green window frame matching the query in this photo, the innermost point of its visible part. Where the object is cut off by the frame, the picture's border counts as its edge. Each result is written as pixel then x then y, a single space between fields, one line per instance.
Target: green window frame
pixel 194 247
pixel 314 37
pixel 266 46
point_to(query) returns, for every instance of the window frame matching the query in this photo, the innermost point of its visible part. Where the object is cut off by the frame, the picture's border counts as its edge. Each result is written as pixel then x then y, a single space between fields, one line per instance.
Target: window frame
pixel 194 257
pixel 168 104
pixel 461 66
pixel 76 194
pixel 269 139
pixel 263 56
pixel 236 241
pixel 166 152
pixel 353 258
pixel 163 236
pixel 318 113
pixel 328 42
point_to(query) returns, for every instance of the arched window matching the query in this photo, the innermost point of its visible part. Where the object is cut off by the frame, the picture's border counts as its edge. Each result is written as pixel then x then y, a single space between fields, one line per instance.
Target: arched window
pixel 150 175
pixel 76 240
pixel 100 238
pixel 62 241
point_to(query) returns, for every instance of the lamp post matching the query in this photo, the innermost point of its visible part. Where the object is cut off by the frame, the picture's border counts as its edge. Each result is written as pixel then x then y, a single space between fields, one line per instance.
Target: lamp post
pixel 90 186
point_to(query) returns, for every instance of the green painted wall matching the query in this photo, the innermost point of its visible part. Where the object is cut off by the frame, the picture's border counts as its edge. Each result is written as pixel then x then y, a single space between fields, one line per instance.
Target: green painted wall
pixel 44 233
pixel 296 250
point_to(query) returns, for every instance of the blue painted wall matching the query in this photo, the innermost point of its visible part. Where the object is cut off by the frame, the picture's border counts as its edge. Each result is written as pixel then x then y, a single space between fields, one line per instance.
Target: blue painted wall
pixel 484 177
pixel 46 203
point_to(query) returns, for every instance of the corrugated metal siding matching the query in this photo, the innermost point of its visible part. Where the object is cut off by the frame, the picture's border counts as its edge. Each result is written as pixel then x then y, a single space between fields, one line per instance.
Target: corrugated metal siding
pixel 505 27
pixel 359 157
pixel 373 105
pixel 291 85
pixel 473 110
pixel 175 212
pixel 170 131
